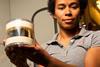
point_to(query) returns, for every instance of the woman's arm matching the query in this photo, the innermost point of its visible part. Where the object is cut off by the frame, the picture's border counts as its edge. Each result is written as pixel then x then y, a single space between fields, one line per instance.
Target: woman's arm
pixel 93 57
pixel 42 57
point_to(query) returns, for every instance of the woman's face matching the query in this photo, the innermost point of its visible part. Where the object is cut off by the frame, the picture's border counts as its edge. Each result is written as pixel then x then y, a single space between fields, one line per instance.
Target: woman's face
pixel 66 13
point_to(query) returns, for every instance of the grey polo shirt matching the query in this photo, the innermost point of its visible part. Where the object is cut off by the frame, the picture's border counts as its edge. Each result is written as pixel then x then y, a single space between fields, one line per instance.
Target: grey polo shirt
pixel 78 46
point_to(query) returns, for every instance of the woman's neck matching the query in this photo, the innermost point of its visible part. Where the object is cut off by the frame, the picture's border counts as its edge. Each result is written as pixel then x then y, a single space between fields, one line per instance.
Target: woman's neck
pixel 66 33
pixel 65 36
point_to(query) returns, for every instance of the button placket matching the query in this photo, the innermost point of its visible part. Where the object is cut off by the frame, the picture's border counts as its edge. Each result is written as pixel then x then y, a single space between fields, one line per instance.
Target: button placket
pixel 70 45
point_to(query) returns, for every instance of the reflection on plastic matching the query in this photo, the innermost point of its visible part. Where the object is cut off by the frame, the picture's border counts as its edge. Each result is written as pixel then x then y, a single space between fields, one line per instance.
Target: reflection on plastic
pixel 94 10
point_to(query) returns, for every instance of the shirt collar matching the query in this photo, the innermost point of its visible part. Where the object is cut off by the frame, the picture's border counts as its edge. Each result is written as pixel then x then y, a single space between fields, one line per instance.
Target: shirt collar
pixel 82 33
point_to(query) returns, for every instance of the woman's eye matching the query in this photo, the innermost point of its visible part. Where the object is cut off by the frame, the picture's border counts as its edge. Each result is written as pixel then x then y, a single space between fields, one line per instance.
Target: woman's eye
pixel 74 6
pixel 61 8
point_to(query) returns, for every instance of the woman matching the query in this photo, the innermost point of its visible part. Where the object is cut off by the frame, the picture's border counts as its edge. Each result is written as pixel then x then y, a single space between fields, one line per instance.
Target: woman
pixel 72 46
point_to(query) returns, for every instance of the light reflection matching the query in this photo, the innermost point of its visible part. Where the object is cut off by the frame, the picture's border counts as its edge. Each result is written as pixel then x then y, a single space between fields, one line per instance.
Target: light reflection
pixel 98 4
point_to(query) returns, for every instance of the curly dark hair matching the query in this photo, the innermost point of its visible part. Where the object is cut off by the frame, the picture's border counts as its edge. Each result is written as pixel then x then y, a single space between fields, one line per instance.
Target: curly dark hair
pixel 51 6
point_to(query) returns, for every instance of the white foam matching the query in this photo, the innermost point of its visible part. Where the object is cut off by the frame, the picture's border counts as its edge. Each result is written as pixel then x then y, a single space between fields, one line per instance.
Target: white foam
pixel 19 39
pixel 19 23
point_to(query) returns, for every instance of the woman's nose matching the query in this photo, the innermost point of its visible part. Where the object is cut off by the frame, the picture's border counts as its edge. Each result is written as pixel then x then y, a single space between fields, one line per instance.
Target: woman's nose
pixel 68 12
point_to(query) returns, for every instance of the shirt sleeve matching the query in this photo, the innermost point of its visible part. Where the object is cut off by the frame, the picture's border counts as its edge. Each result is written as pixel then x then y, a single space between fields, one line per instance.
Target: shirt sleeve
pixel 96 39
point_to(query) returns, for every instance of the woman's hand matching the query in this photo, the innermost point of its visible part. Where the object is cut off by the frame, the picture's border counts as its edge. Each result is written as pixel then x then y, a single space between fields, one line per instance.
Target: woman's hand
pixel 15 54
pixel 36 54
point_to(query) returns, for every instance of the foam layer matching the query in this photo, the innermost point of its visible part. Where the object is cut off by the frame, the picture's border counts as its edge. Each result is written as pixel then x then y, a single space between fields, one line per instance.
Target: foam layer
pixel 19 23
pixel 19 39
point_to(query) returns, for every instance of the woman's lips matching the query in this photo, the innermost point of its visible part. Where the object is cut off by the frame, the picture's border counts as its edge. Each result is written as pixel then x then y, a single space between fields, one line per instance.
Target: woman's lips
pixel 69 21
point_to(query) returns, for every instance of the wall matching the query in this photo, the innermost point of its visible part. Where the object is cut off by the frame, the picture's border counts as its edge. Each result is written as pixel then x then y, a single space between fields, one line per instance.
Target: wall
pixel 4 17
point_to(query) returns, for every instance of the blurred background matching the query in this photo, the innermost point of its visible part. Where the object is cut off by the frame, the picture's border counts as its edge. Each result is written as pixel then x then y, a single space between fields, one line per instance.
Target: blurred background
pixel 44 24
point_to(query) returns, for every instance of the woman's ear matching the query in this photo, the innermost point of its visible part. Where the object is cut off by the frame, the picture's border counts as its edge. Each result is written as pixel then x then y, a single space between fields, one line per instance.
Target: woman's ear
pixel 54 17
